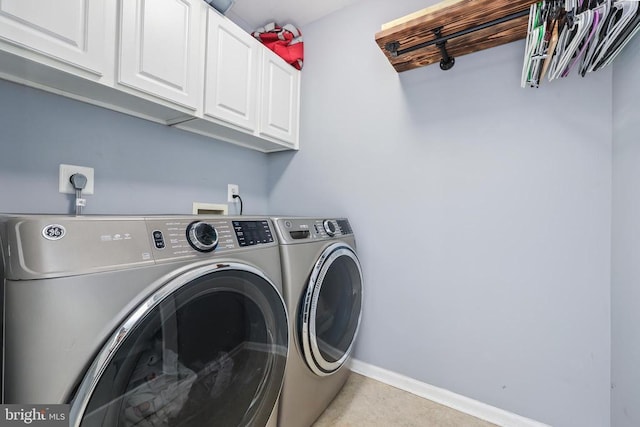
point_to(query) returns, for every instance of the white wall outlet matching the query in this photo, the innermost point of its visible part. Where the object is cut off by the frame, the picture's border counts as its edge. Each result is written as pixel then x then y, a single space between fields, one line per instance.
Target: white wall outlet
pixel 232 189
pixel 64 184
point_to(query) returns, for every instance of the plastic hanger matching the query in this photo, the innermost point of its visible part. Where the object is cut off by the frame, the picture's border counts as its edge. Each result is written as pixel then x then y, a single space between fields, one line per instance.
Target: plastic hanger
pixel 534 34
pixel 605 10
pixel 597 13
pixel 546 19
pixel 624 11
pixel 623 38
pixel 553 42
pixel 574 35
pixel 588 34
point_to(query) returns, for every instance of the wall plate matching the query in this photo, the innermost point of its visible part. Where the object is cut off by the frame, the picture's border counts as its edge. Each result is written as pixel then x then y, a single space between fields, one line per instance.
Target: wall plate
pixel 64 185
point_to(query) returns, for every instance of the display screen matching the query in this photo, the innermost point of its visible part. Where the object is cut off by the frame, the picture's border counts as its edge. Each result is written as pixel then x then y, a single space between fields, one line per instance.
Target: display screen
pixel 252 232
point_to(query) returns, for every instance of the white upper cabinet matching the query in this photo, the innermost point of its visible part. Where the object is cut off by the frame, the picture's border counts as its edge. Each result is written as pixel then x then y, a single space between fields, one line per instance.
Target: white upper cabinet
pixel 71 32
pixel 280 99
pixel 231 79
pixel 175 62
pixel 251 95
pixel 160 49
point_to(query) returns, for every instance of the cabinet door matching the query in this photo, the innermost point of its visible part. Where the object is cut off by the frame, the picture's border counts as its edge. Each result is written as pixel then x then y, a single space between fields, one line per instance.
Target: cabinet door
pixel 280 99
pixel 160 48
pixel 231 73
pixel 69 31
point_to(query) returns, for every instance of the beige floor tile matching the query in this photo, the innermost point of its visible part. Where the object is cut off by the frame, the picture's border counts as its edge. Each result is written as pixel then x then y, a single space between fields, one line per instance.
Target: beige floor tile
pixel 366 402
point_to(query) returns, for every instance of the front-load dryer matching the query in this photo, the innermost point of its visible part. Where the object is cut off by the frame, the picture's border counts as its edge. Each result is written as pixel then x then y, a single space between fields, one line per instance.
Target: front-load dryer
pixel 163 321
pixel 322 287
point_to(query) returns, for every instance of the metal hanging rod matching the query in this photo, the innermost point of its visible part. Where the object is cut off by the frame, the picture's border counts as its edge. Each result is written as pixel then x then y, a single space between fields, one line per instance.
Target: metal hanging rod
pixel 440 41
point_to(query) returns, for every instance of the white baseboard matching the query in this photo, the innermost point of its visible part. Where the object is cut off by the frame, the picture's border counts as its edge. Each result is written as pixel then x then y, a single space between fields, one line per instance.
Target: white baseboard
pixel 444 397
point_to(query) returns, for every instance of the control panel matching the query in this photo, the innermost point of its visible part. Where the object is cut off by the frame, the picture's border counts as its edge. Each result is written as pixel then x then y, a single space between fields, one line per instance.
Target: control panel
pixel 37 246
pixel 184 236
pixel 332 227
pixel 300 229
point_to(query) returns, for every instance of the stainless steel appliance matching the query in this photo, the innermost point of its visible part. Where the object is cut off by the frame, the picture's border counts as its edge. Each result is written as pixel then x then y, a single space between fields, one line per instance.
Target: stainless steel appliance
pixel 322 287
pixel 144 321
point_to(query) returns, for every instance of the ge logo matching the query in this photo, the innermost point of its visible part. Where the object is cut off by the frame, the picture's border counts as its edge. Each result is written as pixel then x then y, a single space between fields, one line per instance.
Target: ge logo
pixel 54 232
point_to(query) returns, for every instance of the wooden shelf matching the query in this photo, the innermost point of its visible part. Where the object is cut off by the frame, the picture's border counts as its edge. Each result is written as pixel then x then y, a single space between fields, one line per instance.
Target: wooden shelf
pixel 452 16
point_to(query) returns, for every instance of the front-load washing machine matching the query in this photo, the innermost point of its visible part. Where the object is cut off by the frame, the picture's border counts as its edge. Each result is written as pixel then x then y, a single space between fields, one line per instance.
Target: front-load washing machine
pixel 156 321
pixel 322 287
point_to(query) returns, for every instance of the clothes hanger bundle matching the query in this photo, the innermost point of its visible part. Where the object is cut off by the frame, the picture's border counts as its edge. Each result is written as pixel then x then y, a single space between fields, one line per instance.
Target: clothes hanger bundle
pixel 587 34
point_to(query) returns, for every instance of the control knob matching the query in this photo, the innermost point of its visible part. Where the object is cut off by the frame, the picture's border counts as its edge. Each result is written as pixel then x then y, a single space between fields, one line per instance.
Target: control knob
pixel 329 227
pixel 202 236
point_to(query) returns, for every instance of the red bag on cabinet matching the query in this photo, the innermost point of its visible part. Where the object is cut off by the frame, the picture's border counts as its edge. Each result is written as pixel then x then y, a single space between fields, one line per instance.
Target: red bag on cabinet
pixel 285 41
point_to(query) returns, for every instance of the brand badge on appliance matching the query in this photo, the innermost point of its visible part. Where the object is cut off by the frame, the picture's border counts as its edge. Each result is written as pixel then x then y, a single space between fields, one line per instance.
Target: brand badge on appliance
pixel 54 232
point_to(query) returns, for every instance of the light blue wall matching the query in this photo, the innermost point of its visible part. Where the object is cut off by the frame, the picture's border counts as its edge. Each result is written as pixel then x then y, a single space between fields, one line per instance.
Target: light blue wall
pixel 625 293
pixel 140 167
pixel 482 213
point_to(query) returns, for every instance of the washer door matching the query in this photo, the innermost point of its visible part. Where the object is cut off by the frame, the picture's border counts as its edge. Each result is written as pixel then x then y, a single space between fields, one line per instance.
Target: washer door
pixel 208 348
pixel 331 307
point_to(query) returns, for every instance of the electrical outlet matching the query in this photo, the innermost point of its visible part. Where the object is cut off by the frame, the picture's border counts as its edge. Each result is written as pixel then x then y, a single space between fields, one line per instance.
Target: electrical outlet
pixel 232 189
pixel 64 183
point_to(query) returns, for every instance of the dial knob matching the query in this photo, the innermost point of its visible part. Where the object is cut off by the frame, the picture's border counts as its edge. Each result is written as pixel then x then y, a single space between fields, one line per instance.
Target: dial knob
pixel 202 236
pixel 329 227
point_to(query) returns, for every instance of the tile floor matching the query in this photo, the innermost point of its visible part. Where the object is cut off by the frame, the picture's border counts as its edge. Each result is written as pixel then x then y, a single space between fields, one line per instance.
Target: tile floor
pixel 366 402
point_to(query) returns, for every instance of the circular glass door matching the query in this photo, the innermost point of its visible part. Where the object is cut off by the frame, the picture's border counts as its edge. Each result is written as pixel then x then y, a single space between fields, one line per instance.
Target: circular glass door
pixel 208 348
pixel 331 308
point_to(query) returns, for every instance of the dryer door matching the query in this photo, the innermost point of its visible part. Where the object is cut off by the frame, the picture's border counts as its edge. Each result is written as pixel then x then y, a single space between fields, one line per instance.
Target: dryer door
pixel 208 348
pixel 331 308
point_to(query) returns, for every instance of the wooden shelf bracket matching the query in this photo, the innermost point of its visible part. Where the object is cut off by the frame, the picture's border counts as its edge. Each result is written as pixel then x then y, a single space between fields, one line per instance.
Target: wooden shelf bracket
pixel 447 62
pixel 452 28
